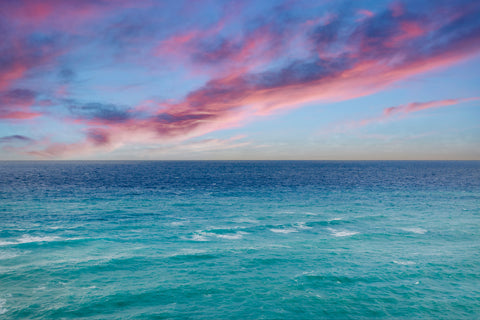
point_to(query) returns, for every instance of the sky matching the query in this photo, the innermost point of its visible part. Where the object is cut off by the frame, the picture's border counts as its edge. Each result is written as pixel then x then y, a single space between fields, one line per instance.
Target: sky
pixel 225 80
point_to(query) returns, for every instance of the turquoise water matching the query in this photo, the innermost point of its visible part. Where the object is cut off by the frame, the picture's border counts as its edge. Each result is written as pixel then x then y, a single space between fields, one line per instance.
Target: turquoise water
pixel 240 240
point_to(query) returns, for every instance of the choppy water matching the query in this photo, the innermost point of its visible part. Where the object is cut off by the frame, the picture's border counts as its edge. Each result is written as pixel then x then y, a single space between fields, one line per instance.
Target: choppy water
pixel 240 240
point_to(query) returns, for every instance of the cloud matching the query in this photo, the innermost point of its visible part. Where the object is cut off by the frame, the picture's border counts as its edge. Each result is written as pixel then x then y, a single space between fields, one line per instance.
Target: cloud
pixel 36 33
pixel 96 140
pixel 16 104
pixel 283 63
pixel 66 75
pixel 418 106
pixel 401 111
pixel 365 13
pixel 15 139
pixel 215 51
pixel 99 113
pixel 25 46
pixel 65 16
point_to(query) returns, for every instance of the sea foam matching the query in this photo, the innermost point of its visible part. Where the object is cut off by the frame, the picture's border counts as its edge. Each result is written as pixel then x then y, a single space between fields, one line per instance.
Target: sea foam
pixel 245 220
pixel 286 230
pixel 204 236
pixel 415 230
pixel 187 252
pixel 7 255
pixel 342 233
pixel 177 223
pixel 234 236
pixel 404 263
pixel 3 302
pixel 302 225
pixel 198 237
pixel 30 239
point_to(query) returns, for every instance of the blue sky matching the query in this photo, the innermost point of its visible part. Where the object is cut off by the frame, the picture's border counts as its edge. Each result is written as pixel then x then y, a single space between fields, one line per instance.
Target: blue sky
pixel 194 80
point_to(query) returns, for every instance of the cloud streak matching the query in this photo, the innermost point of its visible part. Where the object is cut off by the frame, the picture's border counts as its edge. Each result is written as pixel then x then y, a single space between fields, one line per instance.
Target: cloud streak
pixel 402 111
pixel 15 139
pixel 418 106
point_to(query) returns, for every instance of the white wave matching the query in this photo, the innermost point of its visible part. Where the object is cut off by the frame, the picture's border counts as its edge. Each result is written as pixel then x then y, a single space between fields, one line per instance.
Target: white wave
pixel 220 228
pixel 199 237
pixel 41 288
pixel 261 247
pixel 30 239
pixel 404 263
pixel 415 230
pixel 191 251
pixel 3 302
pixel 245 220
pixel 7 243
pixel 342 233
pixel 177 223
pixel 335 219
pixel 186 252
pixel 7 255
pixel 287 230
pixel 302 225
pixel 235 236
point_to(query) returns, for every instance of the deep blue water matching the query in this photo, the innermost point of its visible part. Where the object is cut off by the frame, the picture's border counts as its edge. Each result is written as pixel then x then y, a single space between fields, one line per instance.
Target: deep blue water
pixel 240 240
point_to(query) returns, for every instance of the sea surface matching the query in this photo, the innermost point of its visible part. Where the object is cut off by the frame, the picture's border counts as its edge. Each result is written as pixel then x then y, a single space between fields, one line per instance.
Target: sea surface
pixel 240 240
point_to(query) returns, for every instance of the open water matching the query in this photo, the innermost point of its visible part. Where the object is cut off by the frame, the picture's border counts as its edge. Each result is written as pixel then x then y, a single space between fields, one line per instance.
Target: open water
pixel 240 240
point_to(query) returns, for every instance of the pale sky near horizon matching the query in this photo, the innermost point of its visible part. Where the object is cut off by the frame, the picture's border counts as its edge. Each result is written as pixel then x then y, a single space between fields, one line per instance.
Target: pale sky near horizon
pixel 198 80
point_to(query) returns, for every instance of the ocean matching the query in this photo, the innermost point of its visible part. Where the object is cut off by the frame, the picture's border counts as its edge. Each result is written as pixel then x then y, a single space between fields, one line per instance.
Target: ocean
pixel 240 240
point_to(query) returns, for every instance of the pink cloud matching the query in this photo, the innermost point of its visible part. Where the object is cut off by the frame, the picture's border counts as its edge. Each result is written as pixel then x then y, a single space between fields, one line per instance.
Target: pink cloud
pixel 65 16
pixel 397 9
pixel 418 106
pixel 403 110
pixel 408 30
pixel 16 105
pixel 366 13
pixel 19 115
pixel 206 51
pixel 10 74
pixel 31 37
